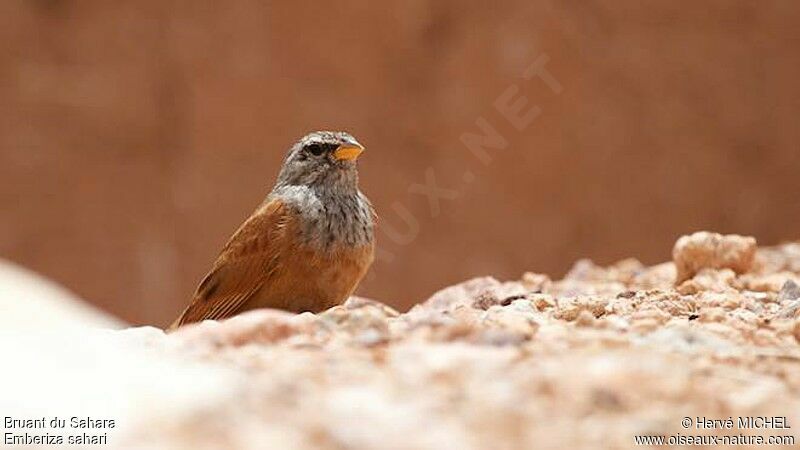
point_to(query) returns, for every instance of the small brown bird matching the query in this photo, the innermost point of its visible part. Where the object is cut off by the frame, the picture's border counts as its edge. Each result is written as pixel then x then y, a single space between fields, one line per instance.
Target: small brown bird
pixel 305 248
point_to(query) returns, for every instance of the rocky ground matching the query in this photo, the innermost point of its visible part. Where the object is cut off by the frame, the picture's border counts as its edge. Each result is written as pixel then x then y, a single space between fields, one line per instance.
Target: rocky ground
pixel 589 361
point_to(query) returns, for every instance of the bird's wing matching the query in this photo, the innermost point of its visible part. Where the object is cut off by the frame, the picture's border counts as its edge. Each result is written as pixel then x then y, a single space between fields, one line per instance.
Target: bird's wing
pixel 244 265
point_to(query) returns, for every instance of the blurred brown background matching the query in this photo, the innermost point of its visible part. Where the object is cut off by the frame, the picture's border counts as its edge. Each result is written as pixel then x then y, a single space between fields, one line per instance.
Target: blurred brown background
pixel 136 136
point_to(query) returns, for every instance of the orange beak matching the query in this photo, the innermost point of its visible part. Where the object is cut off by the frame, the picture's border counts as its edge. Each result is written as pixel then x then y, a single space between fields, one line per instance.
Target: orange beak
pixel 348 152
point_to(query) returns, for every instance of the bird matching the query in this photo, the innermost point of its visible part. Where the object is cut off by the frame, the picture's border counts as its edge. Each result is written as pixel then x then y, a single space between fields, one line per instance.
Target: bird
pixel 306 247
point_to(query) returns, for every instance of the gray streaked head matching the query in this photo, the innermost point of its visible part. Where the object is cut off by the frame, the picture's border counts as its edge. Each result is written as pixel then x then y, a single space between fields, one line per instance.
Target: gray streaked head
pixel 322 159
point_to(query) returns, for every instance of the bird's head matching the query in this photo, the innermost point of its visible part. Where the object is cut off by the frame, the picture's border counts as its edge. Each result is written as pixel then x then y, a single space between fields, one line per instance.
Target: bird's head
pixel 325 159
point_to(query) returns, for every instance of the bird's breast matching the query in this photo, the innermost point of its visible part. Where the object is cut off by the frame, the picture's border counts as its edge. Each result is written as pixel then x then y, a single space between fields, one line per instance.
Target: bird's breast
pixel 327 223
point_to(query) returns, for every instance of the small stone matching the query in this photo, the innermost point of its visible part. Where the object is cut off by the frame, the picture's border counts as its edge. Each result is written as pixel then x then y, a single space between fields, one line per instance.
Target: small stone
pixel 261 326
pixel 543 301
pixel 568 308
pixel 535 282
pixel 709 280
pixel 790 293
pixel 764 337
pixel 585 319
pixel 761 282
pixel 361 302
pixel 796 331
pixel 655 314
pixel 714 314
pixel 644 326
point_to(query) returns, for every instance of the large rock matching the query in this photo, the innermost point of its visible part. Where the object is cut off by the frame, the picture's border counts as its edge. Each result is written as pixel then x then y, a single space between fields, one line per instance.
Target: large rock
pixel 590 361
pixel 30 302
pixel 64 359
pixel 704 250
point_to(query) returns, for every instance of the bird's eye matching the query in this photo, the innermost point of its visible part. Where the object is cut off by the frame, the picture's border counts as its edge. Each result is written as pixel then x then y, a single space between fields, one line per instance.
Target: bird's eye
pixel 315 149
